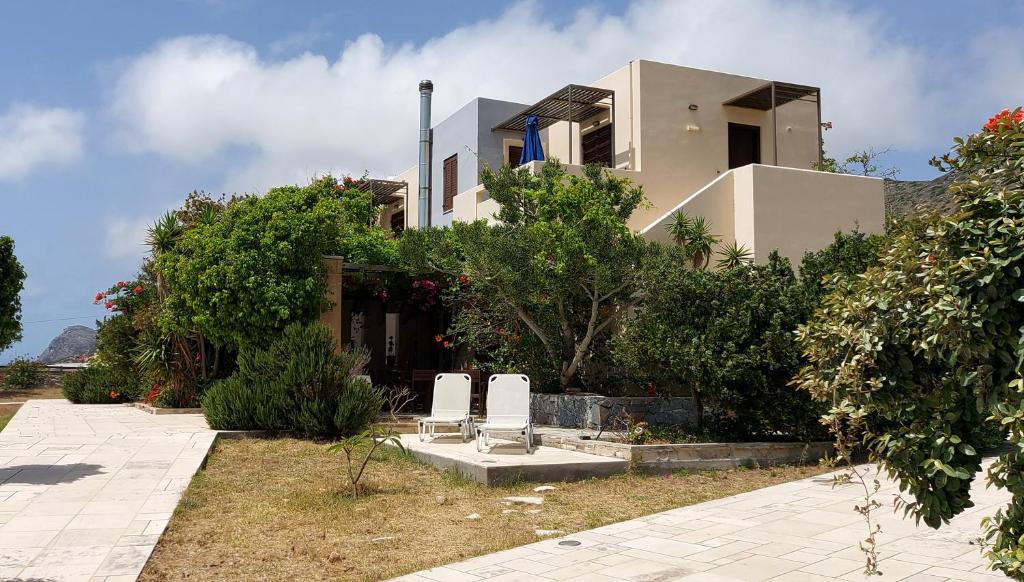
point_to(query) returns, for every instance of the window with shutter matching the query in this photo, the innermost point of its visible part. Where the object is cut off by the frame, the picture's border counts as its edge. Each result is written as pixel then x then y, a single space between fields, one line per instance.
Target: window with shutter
pixel 514 153
pixel 450 182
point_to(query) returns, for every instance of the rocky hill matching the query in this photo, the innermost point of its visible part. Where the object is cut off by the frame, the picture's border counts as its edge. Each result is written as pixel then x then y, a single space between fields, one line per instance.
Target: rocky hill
pixel 908 197
pixel 72 343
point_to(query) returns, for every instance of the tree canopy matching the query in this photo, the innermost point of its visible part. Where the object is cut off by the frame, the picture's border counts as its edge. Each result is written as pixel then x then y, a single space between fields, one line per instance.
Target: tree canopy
pixel 12 281
pixel 543 284
pixel 240 277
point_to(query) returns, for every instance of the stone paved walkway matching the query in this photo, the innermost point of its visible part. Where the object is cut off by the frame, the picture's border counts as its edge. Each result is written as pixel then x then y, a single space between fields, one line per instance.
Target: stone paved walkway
pixel 86 491
pixel 804 531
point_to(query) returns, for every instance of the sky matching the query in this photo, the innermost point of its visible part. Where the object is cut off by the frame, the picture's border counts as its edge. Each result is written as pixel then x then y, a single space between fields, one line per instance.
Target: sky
pixel 110 113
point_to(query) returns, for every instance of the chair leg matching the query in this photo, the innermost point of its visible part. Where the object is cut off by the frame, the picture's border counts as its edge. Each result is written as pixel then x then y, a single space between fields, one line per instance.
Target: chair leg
pixel 419 429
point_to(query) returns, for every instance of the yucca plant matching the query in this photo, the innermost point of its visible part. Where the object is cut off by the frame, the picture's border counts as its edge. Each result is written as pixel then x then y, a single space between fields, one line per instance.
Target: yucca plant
pixel 734 255
pixel 161 238
pixel 701 242
pixel 680 227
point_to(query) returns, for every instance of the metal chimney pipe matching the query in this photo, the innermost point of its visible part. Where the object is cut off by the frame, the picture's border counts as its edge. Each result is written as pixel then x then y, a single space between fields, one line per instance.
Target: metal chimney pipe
pixel 426 88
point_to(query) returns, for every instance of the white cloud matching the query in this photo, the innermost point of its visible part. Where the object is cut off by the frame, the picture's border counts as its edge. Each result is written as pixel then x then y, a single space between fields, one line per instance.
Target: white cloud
pixel 124 237
pixel 193 98
pixel 32 136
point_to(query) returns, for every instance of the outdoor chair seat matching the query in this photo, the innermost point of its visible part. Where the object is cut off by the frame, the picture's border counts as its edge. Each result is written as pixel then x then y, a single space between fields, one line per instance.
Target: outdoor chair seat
pixel 508 409
pixel 450 406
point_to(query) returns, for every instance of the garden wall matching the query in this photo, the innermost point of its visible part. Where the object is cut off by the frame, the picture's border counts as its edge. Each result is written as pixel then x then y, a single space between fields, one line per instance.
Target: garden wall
pixel 596 411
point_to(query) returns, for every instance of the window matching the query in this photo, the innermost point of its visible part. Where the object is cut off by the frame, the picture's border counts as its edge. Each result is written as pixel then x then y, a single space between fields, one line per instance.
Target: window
pixel 515 153
pixel 450 179
pixel 597 146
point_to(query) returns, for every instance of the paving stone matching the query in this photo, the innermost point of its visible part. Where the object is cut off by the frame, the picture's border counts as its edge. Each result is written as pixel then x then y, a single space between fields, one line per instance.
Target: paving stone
pixel 85 491
pixel 793 532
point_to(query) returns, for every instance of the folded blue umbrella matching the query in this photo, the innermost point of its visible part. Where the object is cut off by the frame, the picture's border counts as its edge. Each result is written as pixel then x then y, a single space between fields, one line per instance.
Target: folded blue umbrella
pixel 532 150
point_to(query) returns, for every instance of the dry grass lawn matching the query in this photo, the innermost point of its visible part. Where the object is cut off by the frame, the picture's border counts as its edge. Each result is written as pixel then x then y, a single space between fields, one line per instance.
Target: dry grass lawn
pixel 279 510
pixel 10 400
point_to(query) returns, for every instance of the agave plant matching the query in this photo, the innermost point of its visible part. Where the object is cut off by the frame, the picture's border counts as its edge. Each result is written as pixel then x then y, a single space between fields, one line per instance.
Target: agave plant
pixel 734 255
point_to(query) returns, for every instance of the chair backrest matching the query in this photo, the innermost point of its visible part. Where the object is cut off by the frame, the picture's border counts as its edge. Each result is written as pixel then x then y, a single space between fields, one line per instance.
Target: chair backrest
pixel 451 395
pixel 508 399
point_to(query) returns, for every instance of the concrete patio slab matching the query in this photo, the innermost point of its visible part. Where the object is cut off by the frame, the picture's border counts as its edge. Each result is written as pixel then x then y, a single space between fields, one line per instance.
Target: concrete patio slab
pixel 507 460
pixel 86 490
pixel 794 532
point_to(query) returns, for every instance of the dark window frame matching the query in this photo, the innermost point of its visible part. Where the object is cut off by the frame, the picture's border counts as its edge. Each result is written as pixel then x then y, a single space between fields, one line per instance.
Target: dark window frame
pixel 449 182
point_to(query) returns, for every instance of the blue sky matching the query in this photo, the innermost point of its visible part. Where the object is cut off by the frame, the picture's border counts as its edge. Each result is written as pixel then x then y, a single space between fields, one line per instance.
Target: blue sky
pixel 111 112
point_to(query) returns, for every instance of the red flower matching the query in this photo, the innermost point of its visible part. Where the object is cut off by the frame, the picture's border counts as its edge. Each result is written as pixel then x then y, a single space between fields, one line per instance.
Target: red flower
pixel 446 344
pixel 501 331
pixel 114 394
pixel 543 296
pixel 516 338
pixel 138 290
pixel 120 284
pixel 463 280
pixel 437 338
pixel 99 296
pixel 109 304
pixel 1003 119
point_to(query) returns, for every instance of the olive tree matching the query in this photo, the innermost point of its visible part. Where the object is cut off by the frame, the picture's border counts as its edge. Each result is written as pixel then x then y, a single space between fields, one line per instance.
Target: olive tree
pixel 542 286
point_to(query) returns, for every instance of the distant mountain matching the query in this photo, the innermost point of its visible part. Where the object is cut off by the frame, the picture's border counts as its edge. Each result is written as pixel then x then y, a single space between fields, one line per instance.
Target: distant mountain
pixel 72 343
pixel 908 197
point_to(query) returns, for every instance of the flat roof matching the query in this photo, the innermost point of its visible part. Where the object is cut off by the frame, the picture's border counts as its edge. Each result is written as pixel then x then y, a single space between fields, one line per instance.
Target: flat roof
pixel 575 102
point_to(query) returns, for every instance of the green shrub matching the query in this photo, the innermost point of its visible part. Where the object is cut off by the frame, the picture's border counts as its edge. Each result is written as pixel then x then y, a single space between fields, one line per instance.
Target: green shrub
pixel 23 374
pixel 101 385
pixel 726 338
pixel 298 384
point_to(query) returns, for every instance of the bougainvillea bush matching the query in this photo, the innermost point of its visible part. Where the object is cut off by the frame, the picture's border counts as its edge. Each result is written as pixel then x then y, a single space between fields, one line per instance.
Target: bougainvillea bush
pixel 922 356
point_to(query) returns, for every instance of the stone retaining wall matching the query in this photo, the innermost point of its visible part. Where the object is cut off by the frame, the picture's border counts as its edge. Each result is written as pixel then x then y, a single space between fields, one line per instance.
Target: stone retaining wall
pixel 694 456
pixel 596 411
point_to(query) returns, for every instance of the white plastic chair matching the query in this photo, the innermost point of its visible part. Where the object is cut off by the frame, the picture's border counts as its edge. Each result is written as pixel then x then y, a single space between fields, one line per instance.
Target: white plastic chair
pixel 508 409
pixel 450 406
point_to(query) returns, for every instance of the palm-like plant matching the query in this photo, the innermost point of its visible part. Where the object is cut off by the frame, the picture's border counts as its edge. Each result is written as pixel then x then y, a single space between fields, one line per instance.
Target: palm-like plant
pixel 680 227
pixel 700 243
pixel 164 234
pixel 734 255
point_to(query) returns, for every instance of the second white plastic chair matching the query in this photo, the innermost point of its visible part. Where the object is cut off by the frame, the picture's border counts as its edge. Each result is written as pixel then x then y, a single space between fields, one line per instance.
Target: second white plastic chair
pixel 508 409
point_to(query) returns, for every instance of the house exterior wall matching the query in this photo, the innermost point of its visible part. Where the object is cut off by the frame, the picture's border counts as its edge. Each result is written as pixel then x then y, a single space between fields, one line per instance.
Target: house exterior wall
pixel 411 176
pixel 456 135
pixel 467 134
pixel 682 150
pixel 766 208
pixel 797 210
